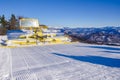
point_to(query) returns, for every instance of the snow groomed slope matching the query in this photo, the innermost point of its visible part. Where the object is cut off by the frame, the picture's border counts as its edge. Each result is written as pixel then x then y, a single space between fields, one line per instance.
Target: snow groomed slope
pixel 76 61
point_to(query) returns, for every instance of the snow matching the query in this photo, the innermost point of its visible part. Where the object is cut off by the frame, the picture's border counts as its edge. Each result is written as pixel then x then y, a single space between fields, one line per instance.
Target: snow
pixel 4 63
pixel 76 61
pixel 14 34
pixel 2 38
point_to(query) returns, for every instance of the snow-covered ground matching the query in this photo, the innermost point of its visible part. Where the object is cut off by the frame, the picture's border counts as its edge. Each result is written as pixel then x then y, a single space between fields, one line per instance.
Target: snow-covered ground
pixel 76 61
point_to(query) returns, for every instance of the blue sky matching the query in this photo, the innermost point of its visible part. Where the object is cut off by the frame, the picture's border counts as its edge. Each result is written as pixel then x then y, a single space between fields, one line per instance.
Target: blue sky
pixel 71 13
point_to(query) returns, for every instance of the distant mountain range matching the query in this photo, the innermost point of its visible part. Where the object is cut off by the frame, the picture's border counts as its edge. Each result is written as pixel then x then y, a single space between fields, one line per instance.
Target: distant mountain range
pixel 104 35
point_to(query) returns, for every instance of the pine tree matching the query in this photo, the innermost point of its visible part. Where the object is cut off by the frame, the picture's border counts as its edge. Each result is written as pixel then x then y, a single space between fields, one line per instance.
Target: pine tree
pixel 3 24
pixel 0 22
pixel 12 22
pixel 3 21
pixel 0 19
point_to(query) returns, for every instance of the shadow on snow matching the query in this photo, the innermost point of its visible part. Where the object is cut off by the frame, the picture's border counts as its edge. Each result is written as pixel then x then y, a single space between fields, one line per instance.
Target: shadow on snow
pixel 108 49
pixel 111 62
pixel 111 52
pixel 102 47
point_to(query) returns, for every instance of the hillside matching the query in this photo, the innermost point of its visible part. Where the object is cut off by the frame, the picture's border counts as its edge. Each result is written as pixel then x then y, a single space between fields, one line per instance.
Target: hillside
pixel 76 61
pixel 105 35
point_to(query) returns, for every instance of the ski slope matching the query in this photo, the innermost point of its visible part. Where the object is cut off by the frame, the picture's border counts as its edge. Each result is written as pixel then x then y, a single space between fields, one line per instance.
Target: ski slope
pixel 76 61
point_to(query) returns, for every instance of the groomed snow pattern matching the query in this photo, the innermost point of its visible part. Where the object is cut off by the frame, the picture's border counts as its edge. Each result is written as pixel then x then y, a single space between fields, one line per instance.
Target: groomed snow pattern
pixel 76 61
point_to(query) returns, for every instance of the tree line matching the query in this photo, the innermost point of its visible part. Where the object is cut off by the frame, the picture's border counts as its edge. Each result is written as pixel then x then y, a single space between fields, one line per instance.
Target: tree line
pixel 10 24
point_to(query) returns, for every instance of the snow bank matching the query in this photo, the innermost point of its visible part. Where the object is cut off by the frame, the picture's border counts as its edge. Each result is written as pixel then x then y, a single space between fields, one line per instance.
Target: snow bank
pixel 14 34
pixel 3 39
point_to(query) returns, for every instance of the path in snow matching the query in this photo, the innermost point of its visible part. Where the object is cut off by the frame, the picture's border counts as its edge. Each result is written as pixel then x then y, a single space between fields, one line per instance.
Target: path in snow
pixel 61 62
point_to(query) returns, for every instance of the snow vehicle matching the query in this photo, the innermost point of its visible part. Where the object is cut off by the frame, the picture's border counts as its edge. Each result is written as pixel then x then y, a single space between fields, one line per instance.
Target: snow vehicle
pixel 31 34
